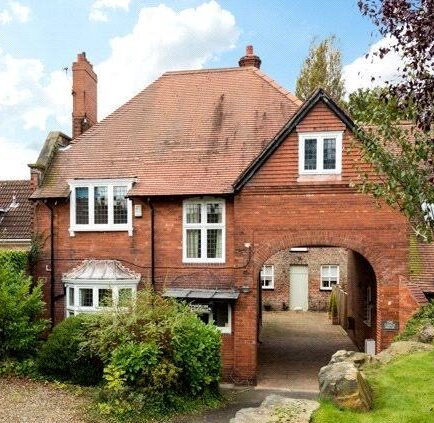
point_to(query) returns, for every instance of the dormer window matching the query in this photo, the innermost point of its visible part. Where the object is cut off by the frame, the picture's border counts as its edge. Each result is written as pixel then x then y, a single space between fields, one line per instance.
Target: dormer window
pixel 100 205
pixel 320 153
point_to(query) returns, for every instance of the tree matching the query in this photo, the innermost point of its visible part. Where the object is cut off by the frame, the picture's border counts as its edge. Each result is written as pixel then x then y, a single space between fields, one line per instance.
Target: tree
pixel 402 155
pixel 375 106
pixel 322 68
pixel 410 26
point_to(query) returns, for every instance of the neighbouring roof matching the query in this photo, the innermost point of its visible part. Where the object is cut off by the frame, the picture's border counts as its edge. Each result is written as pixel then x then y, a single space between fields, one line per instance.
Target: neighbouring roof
pixel 101 270
pixel 16 211
pixel 189 132
pixel 202 294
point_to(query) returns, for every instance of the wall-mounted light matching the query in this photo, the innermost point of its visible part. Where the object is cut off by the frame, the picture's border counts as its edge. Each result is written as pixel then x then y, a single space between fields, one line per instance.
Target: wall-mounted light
pixel 245 289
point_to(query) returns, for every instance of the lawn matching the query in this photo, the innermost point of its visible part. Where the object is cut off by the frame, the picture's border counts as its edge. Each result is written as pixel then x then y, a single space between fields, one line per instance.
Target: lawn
pixel 403 393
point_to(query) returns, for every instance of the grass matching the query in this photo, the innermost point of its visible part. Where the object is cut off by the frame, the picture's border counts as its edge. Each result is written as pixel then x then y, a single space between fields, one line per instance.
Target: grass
pixel 403 393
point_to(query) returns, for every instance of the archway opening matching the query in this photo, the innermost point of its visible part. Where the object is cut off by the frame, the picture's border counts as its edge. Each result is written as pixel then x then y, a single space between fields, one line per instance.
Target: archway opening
pixel 299 325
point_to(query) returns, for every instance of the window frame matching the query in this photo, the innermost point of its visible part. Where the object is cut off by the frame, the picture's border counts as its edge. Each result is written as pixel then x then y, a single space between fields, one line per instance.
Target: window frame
pixel 262 276
pixel 115 286
pixel 223 329
pixel 329 288
pixel 320 137
pixel 203 227
pixel 90 184
pixel 369 307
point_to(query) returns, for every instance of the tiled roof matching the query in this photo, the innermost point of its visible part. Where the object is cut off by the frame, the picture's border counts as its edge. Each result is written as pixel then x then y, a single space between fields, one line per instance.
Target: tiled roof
pixel 104 270
pixel 189 132
pixel 16 211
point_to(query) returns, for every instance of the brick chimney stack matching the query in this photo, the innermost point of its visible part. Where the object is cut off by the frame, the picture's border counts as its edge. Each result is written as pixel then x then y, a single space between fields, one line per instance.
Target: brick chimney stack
pixel 84 95
pixel 250 59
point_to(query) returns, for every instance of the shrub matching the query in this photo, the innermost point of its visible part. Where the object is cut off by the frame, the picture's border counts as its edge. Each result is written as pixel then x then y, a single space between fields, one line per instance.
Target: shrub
pixel 62 356
pixel 158 356
pixel 21 308
pixel 14 260
pixel 424 316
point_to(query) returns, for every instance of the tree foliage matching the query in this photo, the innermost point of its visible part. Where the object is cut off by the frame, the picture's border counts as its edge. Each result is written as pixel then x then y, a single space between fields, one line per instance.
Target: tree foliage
pixel 402 155
pixel 21 308
pixel 322 69
pixel 410 26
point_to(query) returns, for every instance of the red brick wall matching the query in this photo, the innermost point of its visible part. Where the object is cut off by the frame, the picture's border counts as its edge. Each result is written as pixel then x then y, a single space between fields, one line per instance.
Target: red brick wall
pixel 278 298
pixel 272 213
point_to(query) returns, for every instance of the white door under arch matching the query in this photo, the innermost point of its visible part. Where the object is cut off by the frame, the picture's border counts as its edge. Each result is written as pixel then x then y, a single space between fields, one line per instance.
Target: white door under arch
pixel 299 288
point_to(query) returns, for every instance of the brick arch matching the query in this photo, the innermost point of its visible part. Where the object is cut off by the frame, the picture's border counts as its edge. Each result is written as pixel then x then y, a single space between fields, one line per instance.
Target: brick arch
pixel 318 239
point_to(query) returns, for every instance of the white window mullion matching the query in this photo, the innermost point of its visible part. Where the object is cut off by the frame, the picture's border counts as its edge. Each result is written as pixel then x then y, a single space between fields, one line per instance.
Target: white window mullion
pixel 203 230
pixel 110 204
pixel 91 205
pixel 319 154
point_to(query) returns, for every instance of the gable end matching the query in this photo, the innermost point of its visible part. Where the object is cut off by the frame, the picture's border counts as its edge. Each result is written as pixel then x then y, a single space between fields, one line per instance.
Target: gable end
pixel 319 96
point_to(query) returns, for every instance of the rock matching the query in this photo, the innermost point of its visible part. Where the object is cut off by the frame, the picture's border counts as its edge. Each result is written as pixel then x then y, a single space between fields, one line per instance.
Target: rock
pixel 345 386
pixel 401 348
pixel 359 359
pixel 426 335
pixel 276 408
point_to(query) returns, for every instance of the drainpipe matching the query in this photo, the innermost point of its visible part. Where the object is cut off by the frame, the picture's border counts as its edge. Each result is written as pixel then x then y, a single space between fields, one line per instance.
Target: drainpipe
pixel 52 278
pixel 151 206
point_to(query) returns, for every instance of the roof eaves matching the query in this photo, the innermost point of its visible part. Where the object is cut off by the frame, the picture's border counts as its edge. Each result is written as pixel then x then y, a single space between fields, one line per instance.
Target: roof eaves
pixel 302 112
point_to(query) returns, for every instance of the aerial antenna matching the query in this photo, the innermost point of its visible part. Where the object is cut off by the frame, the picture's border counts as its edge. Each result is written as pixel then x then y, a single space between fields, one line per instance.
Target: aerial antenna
pixel 65 69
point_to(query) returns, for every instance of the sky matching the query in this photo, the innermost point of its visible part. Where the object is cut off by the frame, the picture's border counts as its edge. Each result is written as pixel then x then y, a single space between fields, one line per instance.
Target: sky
pixel 132 42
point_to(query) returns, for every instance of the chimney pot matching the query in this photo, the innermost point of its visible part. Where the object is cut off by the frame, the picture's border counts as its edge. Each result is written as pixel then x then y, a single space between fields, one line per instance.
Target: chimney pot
pixel 250 59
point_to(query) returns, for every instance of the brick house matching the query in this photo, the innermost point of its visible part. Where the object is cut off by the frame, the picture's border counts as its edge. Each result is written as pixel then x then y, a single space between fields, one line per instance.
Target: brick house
pixel 16 214
pixel 192 185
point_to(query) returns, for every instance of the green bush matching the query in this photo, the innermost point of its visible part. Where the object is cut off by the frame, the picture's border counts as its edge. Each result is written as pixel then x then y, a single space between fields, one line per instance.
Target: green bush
pixel 157 356
pixel 424 316
pixel 21 308
pixel 62 356
pixel 15 260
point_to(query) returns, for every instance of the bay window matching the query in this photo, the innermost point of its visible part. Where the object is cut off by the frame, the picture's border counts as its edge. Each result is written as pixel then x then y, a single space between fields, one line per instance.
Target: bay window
pixel 204 231
pixel 92 297
pixel 320 153
pixel 100 205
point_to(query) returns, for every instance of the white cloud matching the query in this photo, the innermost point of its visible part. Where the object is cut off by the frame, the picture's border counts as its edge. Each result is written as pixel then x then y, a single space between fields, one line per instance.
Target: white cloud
pixel 21 12
pixel 162 39
pixel 98 11
pixel 360 72
pixel 5 17
pixel 29 95
pixel 14 11
pixel 14 159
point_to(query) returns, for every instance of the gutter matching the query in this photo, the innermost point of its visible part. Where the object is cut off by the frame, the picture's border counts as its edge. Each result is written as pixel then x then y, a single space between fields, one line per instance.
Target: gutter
pixel 151 206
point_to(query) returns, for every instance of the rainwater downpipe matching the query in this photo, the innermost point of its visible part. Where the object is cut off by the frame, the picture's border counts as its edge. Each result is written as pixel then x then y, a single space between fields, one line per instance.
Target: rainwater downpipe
pixel 151 206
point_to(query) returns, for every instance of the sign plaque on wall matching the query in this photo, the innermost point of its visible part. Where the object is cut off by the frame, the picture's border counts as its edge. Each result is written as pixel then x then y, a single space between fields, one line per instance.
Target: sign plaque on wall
pixel 390 325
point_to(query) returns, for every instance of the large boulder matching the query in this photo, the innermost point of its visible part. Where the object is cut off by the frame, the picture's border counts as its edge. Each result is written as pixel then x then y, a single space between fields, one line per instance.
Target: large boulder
pixel 345 385
pixel 402 348
pixel 426 334
pixel 275 409
pixel 359 359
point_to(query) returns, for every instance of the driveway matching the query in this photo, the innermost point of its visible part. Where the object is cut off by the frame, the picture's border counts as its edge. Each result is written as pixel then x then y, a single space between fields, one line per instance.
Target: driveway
pixel 294 346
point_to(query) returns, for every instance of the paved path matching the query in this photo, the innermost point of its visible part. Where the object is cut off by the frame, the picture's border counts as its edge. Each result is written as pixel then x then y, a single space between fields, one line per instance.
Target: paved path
pixel 294 346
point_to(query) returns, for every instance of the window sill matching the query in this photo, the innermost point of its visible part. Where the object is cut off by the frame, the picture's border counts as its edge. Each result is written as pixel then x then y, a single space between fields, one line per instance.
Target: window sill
pixel 320 177
pixel 326 289
pixel 268 288
pixel 101 228
pixel 193 261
